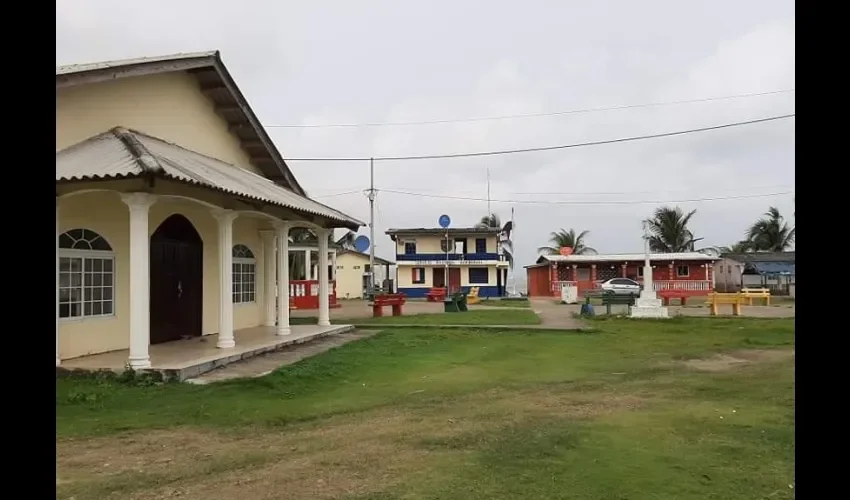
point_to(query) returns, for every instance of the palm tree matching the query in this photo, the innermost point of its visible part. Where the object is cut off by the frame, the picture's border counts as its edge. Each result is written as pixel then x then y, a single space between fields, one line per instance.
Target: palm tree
pixel 742 246
pixel 563 238
pixel 668 230
pixel 492 221
pixel 771 233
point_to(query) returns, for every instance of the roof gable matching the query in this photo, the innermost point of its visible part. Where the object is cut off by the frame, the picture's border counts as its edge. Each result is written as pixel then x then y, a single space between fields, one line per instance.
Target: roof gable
pixel 215 83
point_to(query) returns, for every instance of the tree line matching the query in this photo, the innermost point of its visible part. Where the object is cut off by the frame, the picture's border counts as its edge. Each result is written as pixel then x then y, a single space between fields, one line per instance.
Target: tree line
pixel 669 232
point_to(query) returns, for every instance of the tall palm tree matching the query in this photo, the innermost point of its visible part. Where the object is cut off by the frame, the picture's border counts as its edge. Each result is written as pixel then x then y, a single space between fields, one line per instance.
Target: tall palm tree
pixel 771 233
pixel 564 238
pixel 742 246
pixel 668 230
pixel 492 221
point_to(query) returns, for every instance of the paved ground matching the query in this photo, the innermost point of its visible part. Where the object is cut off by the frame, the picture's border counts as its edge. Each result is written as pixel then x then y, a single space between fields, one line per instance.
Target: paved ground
pixel 267 363
pixel 359 309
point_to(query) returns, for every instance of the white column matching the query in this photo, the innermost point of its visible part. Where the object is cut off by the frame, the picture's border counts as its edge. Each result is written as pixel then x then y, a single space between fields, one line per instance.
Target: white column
pixel 269 266
pixel 282 236
pixel 308 264
pixel 225 220
pixel 333 265
pixel 140 328
pixel 56 244
pixel 324 302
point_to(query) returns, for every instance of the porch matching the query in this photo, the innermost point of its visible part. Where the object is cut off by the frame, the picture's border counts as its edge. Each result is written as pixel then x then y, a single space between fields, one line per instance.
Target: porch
pixel 188 358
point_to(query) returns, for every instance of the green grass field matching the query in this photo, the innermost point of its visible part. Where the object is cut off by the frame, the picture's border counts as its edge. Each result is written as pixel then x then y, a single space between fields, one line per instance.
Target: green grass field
pixel 688 408
pixel 520 303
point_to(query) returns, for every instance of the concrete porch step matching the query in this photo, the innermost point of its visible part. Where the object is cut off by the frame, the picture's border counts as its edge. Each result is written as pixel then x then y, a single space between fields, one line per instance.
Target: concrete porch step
pixel 265 363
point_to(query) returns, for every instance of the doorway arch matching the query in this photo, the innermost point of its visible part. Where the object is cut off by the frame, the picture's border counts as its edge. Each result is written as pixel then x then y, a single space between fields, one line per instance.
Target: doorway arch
pixel 176 281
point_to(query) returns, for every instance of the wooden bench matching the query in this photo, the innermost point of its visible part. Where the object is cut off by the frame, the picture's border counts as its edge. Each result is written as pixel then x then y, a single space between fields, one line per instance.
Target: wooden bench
pixel 666 295
pixel 394 300
pixel 436 294
pixel 472 297
pixel 736 300
pixel 756 293
pixel 611 298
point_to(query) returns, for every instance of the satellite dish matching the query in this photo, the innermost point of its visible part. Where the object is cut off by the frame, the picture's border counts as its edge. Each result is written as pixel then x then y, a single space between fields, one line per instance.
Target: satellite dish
pixel 361 243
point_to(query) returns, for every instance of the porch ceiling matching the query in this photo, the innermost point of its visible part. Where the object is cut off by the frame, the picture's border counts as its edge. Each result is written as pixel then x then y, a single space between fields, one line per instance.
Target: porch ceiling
pixel 121 153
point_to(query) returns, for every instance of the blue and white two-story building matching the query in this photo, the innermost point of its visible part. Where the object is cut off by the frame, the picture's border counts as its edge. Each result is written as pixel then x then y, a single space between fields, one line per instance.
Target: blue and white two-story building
pixel 456 258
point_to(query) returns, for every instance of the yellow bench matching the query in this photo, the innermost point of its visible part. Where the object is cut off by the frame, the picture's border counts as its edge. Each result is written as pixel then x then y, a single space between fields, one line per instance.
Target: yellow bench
pixel 736 300
pixel 472 297
pixel 756 293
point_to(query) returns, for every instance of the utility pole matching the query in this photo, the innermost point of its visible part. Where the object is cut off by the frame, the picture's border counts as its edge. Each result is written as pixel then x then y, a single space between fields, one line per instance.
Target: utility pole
pixel 371 225
pixel 489 213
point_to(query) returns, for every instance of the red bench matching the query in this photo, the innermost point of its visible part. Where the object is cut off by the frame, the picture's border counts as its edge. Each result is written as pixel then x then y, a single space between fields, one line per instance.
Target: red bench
pixel 436 295
pixel 666 295
pixel 394 300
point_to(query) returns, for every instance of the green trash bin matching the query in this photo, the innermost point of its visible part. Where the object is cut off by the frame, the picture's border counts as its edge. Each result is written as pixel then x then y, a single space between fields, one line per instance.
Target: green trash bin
pixel 461 301
pixel 450 305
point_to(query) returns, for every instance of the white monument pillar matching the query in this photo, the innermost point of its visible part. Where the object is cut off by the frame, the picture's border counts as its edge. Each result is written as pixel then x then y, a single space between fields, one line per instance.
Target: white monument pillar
pixel 324 300
pixel 225 220
pixel 308 264
pixel 648 305
pixel 270 268
pixel 282 232
pixel 140 295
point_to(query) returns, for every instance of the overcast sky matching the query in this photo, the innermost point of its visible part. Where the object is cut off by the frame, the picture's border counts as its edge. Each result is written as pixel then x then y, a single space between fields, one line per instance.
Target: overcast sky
pixel 322 62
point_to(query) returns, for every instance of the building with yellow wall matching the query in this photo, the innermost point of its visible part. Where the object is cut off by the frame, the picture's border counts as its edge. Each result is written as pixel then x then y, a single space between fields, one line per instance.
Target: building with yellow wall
pixel 173 210
pixel 351 269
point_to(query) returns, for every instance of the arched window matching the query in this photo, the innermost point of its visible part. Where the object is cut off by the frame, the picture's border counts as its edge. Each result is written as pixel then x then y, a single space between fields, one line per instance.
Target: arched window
pixel 86 275
pixel 244 275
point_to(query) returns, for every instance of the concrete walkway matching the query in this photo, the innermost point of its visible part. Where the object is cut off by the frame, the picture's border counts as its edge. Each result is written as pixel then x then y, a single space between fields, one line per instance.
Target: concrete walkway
pixel 263 365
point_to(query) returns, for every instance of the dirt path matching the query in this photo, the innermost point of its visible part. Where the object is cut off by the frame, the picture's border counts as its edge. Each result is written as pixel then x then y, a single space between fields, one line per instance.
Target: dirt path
pixel 554 315
pixel 263 365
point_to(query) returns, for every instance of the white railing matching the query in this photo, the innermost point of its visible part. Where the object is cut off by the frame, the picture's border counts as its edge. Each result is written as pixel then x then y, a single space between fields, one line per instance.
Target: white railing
pixel 556 285
pixel 684 285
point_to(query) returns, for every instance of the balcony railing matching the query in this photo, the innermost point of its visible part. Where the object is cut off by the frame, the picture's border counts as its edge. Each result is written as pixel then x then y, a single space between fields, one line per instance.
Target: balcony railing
pixel 416 257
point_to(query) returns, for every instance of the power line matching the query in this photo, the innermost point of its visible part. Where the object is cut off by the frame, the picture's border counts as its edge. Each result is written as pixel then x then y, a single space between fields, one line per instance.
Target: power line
pixel 532 115
pixel 587 202
pixel 551 148
pixel 571 193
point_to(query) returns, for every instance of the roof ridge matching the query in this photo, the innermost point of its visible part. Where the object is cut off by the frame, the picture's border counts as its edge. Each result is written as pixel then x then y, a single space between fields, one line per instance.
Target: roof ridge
pixel 144 158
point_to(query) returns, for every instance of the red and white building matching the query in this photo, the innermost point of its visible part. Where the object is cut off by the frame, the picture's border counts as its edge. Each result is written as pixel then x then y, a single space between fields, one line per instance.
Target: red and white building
pixel 691 272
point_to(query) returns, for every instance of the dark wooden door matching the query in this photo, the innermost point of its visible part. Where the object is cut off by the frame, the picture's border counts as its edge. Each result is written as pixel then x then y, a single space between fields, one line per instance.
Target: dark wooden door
pixel 454 279
pixel 439 280
pixel 176 281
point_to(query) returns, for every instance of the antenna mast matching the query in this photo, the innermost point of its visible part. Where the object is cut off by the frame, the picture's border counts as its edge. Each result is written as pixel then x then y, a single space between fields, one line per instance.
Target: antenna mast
pixel 489 212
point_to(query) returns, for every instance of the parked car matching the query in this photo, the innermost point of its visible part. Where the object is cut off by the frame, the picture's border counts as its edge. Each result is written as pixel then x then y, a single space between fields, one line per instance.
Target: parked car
pixel 621 286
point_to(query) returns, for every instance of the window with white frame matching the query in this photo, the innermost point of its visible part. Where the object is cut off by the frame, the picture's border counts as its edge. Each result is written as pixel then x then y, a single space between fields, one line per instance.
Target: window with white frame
pixel 244 275
pixel 86 275
pixel 683 271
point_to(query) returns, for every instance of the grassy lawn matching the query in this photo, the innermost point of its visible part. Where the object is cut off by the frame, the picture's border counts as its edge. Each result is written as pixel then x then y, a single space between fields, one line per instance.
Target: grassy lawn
pixel 472 317
pixel 689 408
pixel 505 303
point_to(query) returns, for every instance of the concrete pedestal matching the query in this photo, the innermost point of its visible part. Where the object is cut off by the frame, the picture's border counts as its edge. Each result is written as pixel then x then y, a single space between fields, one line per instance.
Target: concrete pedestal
pixel 648 306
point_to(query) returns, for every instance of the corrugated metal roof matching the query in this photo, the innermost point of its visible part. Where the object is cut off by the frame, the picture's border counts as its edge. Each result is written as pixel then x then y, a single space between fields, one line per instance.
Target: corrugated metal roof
pixel 761 256
pixel 125 153
pixel 78 68
pixel 773 268
pixel 628 257
pixel 366 255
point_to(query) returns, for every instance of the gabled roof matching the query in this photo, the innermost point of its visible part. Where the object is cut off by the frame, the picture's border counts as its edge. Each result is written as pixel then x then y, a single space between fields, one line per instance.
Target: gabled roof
pixel 625 257
pixel 215 82
pixel 123 154
pixel 379 260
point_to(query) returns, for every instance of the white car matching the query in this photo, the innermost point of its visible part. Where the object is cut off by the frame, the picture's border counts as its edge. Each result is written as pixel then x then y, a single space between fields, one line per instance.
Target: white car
pixel 621 286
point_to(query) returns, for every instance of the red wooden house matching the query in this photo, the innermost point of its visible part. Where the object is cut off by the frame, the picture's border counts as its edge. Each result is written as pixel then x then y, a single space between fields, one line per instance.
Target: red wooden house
pixel 691 272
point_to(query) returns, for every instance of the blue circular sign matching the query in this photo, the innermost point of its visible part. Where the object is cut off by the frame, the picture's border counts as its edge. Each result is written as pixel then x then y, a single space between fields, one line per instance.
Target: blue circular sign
pixel 445 221
pixel 361 243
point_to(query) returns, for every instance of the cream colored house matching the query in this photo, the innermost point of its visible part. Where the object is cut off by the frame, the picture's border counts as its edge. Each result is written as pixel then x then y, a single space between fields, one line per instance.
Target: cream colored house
pixel 351 266
pixel 171 201
pixel 456 258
